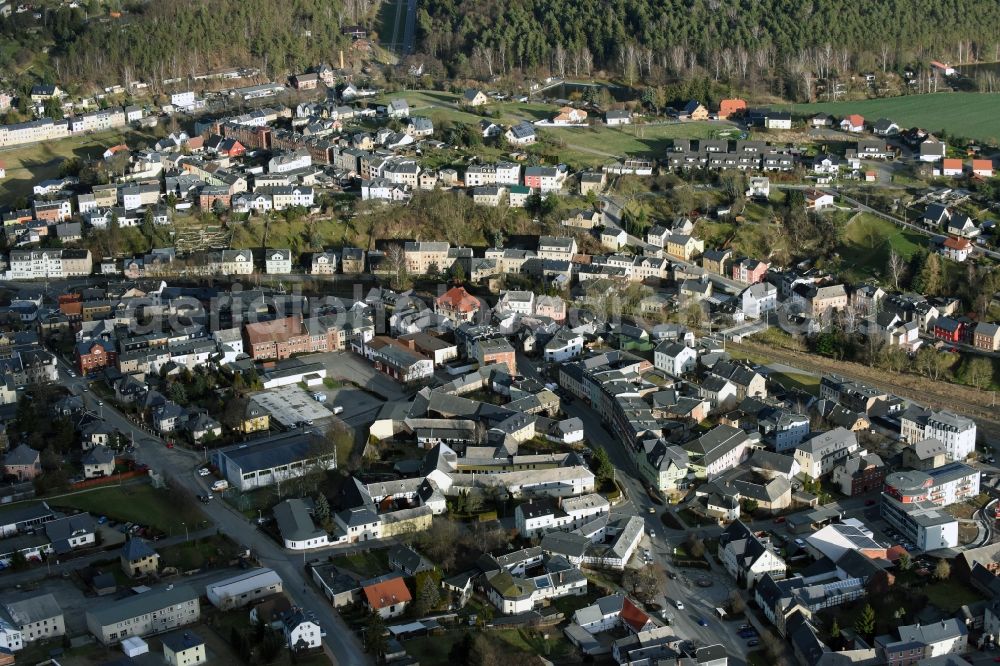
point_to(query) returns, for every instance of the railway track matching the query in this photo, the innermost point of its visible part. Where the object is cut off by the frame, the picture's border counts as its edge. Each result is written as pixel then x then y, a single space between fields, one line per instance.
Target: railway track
pixel 938 395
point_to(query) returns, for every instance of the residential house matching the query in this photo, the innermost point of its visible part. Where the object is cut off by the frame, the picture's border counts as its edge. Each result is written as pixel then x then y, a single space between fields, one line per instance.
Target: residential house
pixel 389 598
pixel 820 454
pixel 278 262
pixel 457 305
pixel 138 558
pixel 151 612
pixel 956 249
pixel 98 462
pixel 853 123
pixel 474 97
pixel 747 556
pixel 986 336
pixel 301 632
pixel 675 358
pixel 23 463
pixel 186 648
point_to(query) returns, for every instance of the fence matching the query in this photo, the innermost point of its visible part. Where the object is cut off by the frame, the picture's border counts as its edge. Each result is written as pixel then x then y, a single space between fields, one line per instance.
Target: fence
pixel 108 480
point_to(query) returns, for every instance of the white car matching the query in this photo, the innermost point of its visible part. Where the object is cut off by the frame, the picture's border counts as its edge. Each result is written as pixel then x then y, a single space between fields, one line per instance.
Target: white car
pixel 679 604
pixel 203 472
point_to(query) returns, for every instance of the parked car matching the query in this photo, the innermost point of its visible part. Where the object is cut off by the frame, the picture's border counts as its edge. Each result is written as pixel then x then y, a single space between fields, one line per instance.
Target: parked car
pixel 679 604
pixel 702 622
pixel 203 471
pixel 753 643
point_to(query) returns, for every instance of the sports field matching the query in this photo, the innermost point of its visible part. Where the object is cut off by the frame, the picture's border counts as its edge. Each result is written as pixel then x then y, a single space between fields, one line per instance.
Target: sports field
pixel 972 115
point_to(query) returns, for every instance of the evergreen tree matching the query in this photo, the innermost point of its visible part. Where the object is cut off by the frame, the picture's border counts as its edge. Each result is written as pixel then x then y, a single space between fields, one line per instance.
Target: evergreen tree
pixel 865 624
pixel 322 510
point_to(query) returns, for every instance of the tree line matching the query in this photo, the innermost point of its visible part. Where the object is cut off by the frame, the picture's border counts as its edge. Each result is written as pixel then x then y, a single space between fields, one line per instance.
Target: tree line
pixel 637 39
pixel 174 38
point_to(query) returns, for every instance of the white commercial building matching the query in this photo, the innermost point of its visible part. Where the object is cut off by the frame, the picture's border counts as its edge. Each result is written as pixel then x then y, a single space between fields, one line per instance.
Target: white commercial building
pixel 243 589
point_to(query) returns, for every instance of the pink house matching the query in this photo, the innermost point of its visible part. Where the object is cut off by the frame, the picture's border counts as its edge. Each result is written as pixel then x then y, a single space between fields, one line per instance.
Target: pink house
pixel 23 462
pixel 552 307
pixel 750 271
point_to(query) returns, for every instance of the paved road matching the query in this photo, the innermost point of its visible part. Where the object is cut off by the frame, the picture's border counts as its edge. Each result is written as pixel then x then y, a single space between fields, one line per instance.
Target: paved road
pixel 612 218
pixel 341 645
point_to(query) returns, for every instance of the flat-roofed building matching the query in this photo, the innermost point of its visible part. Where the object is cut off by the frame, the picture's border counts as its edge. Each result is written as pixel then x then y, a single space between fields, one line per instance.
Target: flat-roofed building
pixel 243 589
pixel 278 458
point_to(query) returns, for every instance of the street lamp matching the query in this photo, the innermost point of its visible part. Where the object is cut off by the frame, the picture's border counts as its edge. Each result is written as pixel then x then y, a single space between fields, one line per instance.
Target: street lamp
pixel 185 530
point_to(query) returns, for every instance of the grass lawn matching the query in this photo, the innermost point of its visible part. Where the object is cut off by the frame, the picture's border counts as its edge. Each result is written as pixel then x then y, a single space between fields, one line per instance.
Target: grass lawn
pixel 867 242
pixel 555 648
pixel 433 649
pixel 138 503
pixel 950 595
pixel 293 235
pixel 971 115
pixel 26 165
pixel 795 380
pixel 367 564
pixel 631 139
pixel 197 553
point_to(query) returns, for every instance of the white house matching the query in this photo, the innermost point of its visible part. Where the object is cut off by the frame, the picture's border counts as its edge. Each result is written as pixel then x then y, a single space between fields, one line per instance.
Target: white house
pixel 278 262
pixel 564 346
pixel 747 556
pixel 758 299
pixel 675 359
pixel 301 632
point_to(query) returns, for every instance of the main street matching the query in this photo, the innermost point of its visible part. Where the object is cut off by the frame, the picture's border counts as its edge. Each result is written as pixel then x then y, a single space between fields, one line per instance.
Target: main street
pixel 340 644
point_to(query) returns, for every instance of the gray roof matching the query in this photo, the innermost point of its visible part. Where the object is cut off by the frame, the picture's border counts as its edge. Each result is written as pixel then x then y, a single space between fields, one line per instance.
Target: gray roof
pixel 933 632
pixel 22 455
pixel 294 521
pixel 136 549
pixel 272 452
pixel 116 611
pixel 99 455
pixel 34 609
pixel 178 642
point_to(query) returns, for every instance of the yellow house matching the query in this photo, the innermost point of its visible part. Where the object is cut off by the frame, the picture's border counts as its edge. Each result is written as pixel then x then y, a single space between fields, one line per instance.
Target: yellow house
pixel 255 419
pixel 184 649
pixel 138 558
pixel 684 246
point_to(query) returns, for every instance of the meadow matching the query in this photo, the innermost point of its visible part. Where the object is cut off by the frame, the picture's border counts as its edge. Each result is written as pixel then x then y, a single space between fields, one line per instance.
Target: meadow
pixel 972 115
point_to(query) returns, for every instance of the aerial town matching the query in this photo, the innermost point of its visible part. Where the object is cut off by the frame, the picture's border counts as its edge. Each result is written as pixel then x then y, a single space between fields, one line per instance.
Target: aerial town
pixel 395 348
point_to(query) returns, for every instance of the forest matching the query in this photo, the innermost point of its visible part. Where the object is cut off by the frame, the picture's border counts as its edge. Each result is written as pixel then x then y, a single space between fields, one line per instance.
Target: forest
pixel 171 38
pixel 635 38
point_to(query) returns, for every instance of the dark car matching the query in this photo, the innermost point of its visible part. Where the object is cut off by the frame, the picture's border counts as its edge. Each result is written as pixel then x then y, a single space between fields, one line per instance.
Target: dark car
pixel 753 643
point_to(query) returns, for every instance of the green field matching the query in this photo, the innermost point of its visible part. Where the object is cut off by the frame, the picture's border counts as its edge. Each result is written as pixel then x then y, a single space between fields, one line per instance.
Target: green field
pixel 581 145
pixel 137 503
pixel 599 143
pixel 972 115
pixel 26 165
pixel 797 380
pixel 867 242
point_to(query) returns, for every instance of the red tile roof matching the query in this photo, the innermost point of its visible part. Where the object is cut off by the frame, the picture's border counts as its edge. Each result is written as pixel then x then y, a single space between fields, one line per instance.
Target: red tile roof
pixel 457 298
pixel 982 165
pixel 632 616
pixel 277 330
pixel 951 163
pixel 387 593
pixel 855 120
pixel 957 243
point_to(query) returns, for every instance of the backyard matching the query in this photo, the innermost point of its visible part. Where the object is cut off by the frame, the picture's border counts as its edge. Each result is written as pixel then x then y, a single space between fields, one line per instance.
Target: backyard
pixel 157 508
pixel 971 115
pixel 365 563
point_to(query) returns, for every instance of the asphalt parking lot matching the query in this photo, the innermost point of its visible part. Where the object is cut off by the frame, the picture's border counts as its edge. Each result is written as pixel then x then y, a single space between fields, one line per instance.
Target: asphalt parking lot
pixel 290 405
pixel 360 407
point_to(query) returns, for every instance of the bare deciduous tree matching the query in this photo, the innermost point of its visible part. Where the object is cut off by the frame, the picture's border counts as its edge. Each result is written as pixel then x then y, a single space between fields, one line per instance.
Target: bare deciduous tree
pixel 897 268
